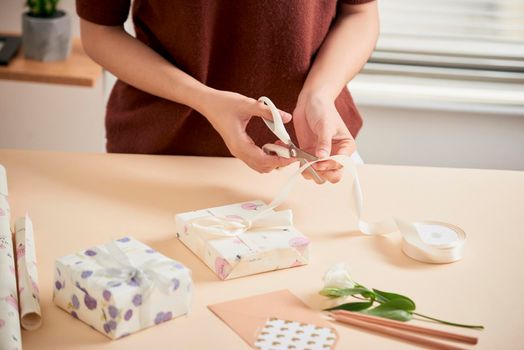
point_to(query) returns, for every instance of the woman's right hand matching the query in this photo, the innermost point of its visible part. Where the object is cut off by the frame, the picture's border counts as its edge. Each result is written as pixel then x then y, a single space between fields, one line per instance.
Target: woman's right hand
pixel 229 113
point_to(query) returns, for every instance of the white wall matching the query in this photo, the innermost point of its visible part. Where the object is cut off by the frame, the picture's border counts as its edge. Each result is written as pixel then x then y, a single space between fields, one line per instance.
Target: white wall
pixel 54 117
pixel 11 12
pixel 51 117
pixel 47 116
pixel 441 138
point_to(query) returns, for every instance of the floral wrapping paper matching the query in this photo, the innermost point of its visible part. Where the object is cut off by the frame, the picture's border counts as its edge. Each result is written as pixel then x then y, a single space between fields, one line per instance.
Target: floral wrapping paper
pixel 112 297
pixel 230 258
pixel 10 336
pixel 28 293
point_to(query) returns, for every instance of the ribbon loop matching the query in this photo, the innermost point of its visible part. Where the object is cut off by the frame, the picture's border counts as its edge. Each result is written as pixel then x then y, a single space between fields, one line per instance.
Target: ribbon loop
pixel 217 226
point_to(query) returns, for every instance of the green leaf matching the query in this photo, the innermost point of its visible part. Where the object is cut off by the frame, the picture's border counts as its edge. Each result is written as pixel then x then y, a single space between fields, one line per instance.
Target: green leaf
pixel 401 304
pixel 397 309
pixel 384 297
pixel 354 306
pixel 393 314
pixel 342 292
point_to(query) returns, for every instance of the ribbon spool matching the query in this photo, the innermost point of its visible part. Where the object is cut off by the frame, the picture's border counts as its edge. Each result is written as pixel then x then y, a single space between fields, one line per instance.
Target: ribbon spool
pixel 445 242
pixel 425 241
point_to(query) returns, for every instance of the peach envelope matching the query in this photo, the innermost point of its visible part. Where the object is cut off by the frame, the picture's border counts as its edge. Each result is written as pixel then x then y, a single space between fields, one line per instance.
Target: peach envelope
pixel 248 317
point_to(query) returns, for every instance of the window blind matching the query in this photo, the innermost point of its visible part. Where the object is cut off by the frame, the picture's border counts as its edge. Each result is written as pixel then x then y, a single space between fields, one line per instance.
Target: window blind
pixel 478 40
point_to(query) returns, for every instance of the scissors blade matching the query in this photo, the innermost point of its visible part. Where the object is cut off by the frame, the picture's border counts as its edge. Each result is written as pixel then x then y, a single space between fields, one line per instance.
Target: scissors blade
pixel 304 156
pixel 298 153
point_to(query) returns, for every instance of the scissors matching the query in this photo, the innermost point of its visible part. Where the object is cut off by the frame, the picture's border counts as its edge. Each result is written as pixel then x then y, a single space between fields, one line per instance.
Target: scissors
pixel 290 150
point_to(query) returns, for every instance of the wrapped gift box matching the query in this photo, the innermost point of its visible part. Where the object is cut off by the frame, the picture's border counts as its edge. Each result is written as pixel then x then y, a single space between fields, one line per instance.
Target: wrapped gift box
pixel 121 287
pixel 236 240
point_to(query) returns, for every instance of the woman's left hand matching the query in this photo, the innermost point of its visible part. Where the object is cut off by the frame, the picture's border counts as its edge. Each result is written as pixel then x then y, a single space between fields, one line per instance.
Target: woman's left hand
pixel 321 131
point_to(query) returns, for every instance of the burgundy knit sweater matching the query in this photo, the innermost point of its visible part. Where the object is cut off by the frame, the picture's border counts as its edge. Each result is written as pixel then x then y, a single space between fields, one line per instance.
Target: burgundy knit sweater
pixel 253 47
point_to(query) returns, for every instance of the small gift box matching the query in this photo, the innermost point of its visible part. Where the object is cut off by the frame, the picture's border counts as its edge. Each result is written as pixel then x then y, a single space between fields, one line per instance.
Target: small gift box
pixel 121 287
pixel 243 239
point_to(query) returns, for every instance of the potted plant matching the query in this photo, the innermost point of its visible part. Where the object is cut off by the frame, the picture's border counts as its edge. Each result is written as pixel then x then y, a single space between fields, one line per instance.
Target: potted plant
pixel 46 31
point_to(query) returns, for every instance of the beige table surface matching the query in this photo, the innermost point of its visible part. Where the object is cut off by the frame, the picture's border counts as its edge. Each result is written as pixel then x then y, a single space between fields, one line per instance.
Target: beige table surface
pixel 80 200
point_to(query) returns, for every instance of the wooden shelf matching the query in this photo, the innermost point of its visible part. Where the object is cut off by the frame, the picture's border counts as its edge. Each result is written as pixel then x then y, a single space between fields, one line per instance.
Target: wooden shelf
pixel 78 69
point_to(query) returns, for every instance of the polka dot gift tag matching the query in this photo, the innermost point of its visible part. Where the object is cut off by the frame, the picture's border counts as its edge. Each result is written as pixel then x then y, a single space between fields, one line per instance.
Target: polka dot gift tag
pixel 278 334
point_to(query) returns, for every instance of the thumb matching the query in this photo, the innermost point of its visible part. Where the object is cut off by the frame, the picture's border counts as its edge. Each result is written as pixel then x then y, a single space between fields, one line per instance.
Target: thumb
pixel 286 117
pixel 324 136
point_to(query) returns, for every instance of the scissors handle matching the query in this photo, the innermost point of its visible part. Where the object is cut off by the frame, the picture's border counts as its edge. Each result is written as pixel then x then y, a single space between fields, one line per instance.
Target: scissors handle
pixel 281 151
pixel 277 125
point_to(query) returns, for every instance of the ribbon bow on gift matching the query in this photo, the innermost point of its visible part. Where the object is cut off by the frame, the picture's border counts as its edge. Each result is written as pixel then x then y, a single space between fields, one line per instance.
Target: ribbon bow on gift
pixel 119 266
pixel 215 227
pixel 121 269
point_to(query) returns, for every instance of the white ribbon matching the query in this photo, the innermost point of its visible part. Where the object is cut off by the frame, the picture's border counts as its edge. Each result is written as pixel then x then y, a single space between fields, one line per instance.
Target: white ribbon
pixel 118 266
pixel 430 242
pixel 216 227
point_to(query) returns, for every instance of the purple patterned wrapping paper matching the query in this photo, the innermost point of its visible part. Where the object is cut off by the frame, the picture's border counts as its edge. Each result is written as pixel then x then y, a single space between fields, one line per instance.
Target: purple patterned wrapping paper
pixel 259 249
pixel 28 291
pixel 10 336
pixel 122 287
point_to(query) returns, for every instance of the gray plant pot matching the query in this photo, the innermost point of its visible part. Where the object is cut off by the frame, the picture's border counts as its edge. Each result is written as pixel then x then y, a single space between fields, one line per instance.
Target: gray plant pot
pixel 46 39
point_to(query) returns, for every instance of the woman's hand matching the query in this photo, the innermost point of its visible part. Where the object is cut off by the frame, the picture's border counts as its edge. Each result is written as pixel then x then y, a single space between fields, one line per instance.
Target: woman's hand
pixel 229 113
pixel 343 53
pixel 321 131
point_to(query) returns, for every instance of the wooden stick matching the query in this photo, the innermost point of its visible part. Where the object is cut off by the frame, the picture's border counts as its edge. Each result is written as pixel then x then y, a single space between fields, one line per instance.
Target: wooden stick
pixel 409 327
pixel 431 344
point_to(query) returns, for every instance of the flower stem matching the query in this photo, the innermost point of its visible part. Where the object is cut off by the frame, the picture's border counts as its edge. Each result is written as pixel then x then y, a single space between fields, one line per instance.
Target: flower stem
pixel 449 323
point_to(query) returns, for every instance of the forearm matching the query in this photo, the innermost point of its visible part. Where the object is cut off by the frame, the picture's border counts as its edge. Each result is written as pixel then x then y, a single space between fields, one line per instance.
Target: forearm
pixel 345 50
pixel 140 66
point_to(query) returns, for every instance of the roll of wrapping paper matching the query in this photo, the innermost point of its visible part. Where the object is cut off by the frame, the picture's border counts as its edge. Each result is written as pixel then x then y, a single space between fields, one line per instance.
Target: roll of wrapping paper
pixel 10 337
pixel 30 315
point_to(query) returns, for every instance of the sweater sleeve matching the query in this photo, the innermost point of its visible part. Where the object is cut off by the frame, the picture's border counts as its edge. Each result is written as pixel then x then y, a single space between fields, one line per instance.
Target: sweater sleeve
pixel 104 12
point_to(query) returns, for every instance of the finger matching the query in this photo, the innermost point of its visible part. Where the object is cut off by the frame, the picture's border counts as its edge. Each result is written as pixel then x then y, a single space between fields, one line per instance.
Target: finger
pixel 262 110
pixel 247 151
pixel 332 176
pixel 344 147
pixel 283 162
pixel 327 165
pixel 307 175
pixel 324 139
pixel 286 117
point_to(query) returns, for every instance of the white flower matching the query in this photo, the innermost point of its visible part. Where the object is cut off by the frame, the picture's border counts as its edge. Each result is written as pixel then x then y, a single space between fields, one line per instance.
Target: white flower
pixel 338 277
